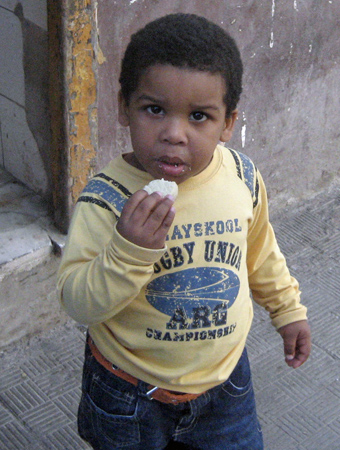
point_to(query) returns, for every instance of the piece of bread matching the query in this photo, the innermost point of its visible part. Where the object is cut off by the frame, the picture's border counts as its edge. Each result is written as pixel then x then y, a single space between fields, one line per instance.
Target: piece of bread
pixel 163 186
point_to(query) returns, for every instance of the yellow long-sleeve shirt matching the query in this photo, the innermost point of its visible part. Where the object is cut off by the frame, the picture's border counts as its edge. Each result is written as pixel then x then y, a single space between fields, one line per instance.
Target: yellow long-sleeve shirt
pixel 178 317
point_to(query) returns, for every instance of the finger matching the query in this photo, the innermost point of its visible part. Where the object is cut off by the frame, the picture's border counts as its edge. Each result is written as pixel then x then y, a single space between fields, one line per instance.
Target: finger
pixel 162 214
pixel 132 204
pixel 161 207
pixel 297 361
pixel 138 210
pixel 146 219
pixel 169 218
pixel 134 215
pixel 289 348
pixel 161 232
pixel 302 352
pixel 151 208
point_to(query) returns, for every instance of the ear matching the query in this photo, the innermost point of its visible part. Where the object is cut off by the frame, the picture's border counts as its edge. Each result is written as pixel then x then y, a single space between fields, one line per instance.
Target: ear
pixel 123 116
pixel 229 127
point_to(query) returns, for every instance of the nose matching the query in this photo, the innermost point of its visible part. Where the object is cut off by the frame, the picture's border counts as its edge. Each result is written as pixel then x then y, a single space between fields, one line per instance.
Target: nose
pixel 175 131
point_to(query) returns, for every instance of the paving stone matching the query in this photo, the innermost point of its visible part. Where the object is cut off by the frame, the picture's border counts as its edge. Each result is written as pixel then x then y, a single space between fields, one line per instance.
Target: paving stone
pixel 297 387
pixel 67 439
pixel 68 403
pixel 10 377
pixel 23 397
pixel 59 381
pixel 326 439
pixel 37 366
pixel 324 405
pixel 14 436
pixel 45 418
pixel 275 438
pixel 300 419
pixel 5 416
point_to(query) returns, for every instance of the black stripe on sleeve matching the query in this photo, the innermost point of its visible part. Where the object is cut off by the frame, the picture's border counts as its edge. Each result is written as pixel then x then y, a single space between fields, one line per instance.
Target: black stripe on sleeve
pixel 237 163
pixel 257 187
pixel 97 202
pixel 114 183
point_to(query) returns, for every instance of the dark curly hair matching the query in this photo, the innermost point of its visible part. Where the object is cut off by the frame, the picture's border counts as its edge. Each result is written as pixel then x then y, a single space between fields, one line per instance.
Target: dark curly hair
pixel 188 41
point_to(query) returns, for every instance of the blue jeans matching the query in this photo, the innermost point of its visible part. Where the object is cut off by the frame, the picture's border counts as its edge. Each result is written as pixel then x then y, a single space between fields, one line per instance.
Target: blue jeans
pixel 114 414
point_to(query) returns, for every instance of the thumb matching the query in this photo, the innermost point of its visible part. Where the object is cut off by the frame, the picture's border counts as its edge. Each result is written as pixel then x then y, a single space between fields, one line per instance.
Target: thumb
pixel 296 342
pixel 289 345
pixel 289 336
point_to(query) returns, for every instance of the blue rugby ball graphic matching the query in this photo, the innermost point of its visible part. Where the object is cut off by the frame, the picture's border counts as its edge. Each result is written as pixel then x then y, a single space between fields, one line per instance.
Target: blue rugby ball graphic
pixel 191 288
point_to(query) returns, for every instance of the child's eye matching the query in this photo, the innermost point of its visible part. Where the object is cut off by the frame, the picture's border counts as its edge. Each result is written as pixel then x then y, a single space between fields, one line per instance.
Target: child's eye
pixel 154 109
pixel 198 116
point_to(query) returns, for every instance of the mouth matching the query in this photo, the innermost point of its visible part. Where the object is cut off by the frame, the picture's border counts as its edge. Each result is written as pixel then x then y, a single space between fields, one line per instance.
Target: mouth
pixel 172 167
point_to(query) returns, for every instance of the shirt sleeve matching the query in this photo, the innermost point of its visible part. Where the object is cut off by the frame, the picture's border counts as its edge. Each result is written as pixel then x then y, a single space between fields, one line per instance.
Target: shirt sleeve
pixel 270 282
pixel 100 272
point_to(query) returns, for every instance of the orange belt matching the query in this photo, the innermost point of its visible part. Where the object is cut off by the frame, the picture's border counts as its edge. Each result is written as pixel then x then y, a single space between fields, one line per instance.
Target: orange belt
pixel 162 395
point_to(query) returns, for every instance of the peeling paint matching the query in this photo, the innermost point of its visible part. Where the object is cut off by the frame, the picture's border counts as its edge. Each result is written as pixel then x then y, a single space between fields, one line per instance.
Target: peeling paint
pixel 273 8
pixel 243 135
pixel 100 56
pixel 271 41
pixel 243 130
pixel 82 89
pixel 99 53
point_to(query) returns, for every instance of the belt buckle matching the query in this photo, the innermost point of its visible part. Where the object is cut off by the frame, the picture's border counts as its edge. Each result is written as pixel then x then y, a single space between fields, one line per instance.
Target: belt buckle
pixel 149 393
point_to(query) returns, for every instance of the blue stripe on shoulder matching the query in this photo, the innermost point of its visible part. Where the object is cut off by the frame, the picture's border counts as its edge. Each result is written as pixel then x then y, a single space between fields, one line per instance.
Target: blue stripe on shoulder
pixel 248 172
pixel 106 192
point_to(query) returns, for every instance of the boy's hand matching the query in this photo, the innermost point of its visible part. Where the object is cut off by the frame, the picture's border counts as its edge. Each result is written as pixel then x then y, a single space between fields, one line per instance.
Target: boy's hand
pixel 297 342
pixel 146 219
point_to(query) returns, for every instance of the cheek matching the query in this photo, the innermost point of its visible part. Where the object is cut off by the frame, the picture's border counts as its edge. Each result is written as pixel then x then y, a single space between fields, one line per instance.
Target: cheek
pixel 142 134
pixel 137 137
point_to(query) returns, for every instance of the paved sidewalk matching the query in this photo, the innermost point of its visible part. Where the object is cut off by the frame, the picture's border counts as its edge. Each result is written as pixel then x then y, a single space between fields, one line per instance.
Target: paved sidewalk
pixel 298 410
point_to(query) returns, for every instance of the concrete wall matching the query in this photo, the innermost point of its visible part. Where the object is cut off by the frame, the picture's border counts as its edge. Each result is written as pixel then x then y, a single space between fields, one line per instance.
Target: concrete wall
pixel 24 114
pixel 28 300
pixel 289 111
pixel 28 260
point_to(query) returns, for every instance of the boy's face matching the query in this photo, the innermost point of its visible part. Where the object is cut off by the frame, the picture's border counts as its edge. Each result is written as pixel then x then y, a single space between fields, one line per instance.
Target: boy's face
pixel 176 117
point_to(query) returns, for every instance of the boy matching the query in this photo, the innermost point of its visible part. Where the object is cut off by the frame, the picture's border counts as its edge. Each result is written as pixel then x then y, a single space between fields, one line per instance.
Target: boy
pixel 164 288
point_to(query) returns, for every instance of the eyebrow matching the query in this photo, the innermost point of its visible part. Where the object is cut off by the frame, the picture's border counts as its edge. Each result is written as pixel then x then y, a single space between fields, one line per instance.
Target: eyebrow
pixel 148 98
pixel 145 97
pixel 199 107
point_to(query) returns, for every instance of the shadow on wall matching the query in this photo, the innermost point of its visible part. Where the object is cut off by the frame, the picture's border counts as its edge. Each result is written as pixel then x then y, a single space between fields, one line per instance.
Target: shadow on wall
pixel 25 123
